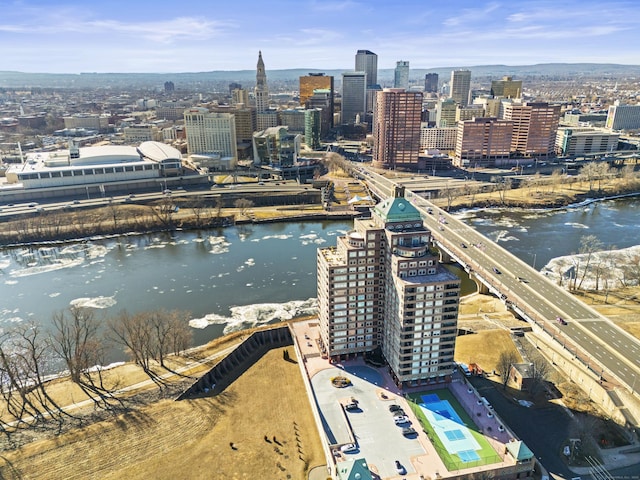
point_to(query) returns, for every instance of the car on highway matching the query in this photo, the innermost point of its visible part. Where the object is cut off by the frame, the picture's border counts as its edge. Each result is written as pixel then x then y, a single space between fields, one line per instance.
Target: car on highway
pixel 561 321
pixel 463 245
pixel 496 270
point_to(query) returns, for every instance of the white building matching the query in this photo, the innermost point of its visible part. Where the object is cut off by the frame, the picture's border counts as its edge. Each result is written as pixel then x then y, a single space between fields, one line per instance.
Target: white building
pixel 91 165
pixel 437 138
pixel 572 141
pixel 211 133
pixel 623 117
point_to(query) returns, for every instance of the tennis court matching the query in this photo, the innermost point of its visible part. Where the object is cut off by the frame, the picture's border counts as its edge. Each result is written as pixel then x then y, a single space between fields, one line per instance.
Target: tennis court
pixel 451 430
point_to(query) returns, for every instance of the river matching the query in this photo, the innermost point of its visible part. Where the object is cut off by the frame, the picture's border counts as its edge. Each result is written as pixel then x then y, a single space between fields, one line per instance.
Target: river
pixel 244 276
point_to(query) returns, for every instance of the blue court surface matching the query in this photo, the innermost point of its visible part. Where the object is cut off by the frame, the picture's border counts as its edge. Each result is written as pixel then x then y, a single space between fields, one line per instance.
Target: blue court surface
pixel 452 432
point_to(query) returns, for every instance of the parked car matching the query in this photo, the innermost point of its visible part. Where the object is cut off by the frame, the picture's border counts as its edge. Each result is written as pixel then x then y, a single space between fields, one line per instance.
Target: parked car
pixel 401 420
pixel 394 408
pixel 349 448
pixel 400 469
pixel 399 413
pixel 351 406
pixel 408 431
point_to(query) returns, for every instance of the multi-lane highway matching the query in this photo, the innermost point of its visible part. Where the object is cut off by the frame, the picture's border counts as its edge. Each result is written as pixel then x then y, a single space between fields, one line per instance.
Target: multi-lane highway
pixel 605 348
pixel 40 206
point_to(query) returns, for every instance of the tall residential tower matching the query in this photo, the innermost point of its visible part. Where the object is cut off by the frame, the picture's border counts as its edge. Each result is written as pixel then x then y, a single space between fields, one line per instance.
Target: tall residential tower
pixel 396 128
pixel 382 288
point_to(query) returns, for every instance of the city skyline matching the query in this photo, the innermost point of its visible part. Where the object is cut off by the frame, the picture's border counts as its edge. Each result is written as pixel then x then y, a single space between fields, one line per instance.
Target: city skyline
pixel 144 37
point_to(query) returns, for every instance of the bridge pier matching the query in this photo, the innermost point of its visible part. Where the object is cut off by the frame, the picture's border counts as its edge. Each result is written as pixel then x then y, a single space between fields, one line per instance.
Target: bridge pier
pixel 482 288
pixel 445 257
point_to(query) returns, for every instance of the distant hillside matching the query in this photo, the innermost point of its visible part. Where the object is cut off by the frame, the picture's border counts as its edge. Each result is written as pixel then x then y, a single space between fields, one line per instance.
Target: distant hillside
pixel 10 79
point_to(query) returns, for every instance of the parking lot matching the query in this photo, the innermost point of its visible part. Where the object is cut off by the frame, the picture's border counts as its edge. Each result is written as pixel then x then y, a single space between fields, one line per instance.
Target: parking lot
pixel 371 427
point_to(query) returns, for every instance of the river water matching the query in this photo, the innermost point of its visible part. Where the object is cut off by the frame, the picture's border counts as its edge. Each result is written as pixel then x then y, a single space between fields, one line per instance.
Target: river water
pixel 244 276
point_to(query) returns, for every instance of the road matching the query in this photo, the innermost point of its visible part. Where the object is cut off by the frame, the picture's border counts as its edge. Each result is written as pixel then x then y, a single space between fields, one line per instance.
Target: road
pixel 599 344
pixel 40 206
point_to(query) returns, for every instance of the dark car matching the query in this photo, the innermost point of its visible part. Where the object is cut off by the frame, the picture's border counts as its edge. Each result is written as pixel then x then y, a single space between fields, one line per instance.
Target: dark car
pixel 399 413
pixel 408 431
pixel 561 320
pixel 463 245
pixel 394 408
pixel 496 270
pixel 351 406
pixel 399 468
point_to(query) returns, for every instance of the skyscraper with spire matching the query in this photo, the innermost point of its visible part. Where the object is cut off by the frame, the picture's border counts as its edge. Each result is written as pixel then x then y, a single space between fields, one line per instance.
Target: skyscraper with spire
pixel 264 117
pixel 261 91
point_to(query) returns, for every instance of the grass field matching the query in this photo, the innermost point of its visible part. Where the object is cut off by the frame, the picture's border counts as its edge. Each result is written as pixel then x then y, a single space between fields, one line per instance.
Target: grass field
pixel 451 460
pixel 191 439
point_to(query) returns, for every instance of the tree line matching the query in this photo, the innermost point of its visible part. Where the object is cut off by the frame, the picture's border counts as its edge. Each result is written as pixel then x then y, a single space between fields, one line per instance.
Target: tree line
pixel 78 343
pixel 595 173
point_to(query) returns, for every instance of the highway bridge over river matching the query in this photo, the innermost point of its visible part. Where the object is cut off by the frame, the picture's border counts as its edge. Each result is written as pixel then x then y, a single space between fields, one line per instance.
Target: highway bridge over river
pixel 605 349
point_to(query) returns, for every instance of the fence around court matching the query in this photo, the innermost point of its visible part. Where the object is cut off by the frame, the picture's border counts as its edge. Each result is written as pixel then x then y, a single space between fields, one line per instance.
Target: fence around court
pixel 451 460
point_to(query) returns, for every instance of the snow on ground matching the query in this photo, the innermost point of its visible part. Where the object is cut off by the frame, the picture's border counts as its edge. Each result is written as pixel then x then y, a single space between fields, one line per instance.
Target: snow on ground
pixel 605 267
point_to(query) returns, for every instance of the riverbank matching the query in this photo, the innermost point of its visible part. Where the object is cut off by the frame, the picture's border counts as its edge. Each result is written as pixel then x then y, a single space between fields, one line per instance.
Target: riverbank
pixel 124 218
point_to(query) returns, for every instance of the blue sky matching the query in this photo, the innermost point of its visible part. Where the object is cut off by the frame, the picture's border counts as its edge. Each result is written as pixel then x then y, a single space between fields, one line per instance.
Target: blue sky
pixel 201 35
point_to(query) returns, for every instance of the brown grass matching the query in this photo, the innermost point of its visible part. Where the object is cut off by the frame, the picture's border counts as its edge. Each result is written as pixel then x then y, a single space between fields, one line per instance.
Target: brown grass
pixel 191 439
pixel 484 348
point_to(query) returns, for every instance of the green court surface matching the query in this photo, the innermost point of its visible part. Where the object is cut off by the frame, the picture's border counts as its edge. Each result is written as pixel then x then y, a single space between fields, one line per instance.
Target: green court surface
pixel 487 455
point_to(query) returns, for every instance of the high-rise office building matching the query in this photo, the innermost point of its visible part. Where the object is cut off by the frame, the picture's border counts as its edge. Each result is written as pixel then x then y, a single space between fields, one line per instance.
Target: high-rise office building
pixel 354 100
pixel 623 117
pixel 382 287
pixel 311 82
pixel 401 75
pixel 245 120
pixel 535 126
pixel 312 128
pixel 261 90
pixel 431 83
pixel 460 86
pixel 322 99
pixel 507 87
pixel 240 96
pixel 317 81
pixel 446 113
pixel 396 128
pixel 367 62
pixel 483 141
pixel 265 118
pixel 210 133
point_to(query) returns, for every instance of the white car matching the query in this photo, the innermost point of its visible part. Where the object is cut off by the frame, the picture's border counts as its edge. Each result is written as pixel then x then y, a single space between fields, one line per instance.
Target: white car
pixel 349 448
pixel 401 420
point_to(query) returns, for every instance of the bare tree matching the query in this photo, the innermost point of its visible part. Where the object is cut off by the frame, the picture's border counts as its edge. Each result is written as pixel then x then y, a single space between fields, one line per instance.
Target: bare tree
pixel 589 173
pixel 77 341
pixel 505 360
pixel 114 213
pixel 503 185
pixel 198 207
pixel 243 204
pixel 589 244
pixel 448 193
